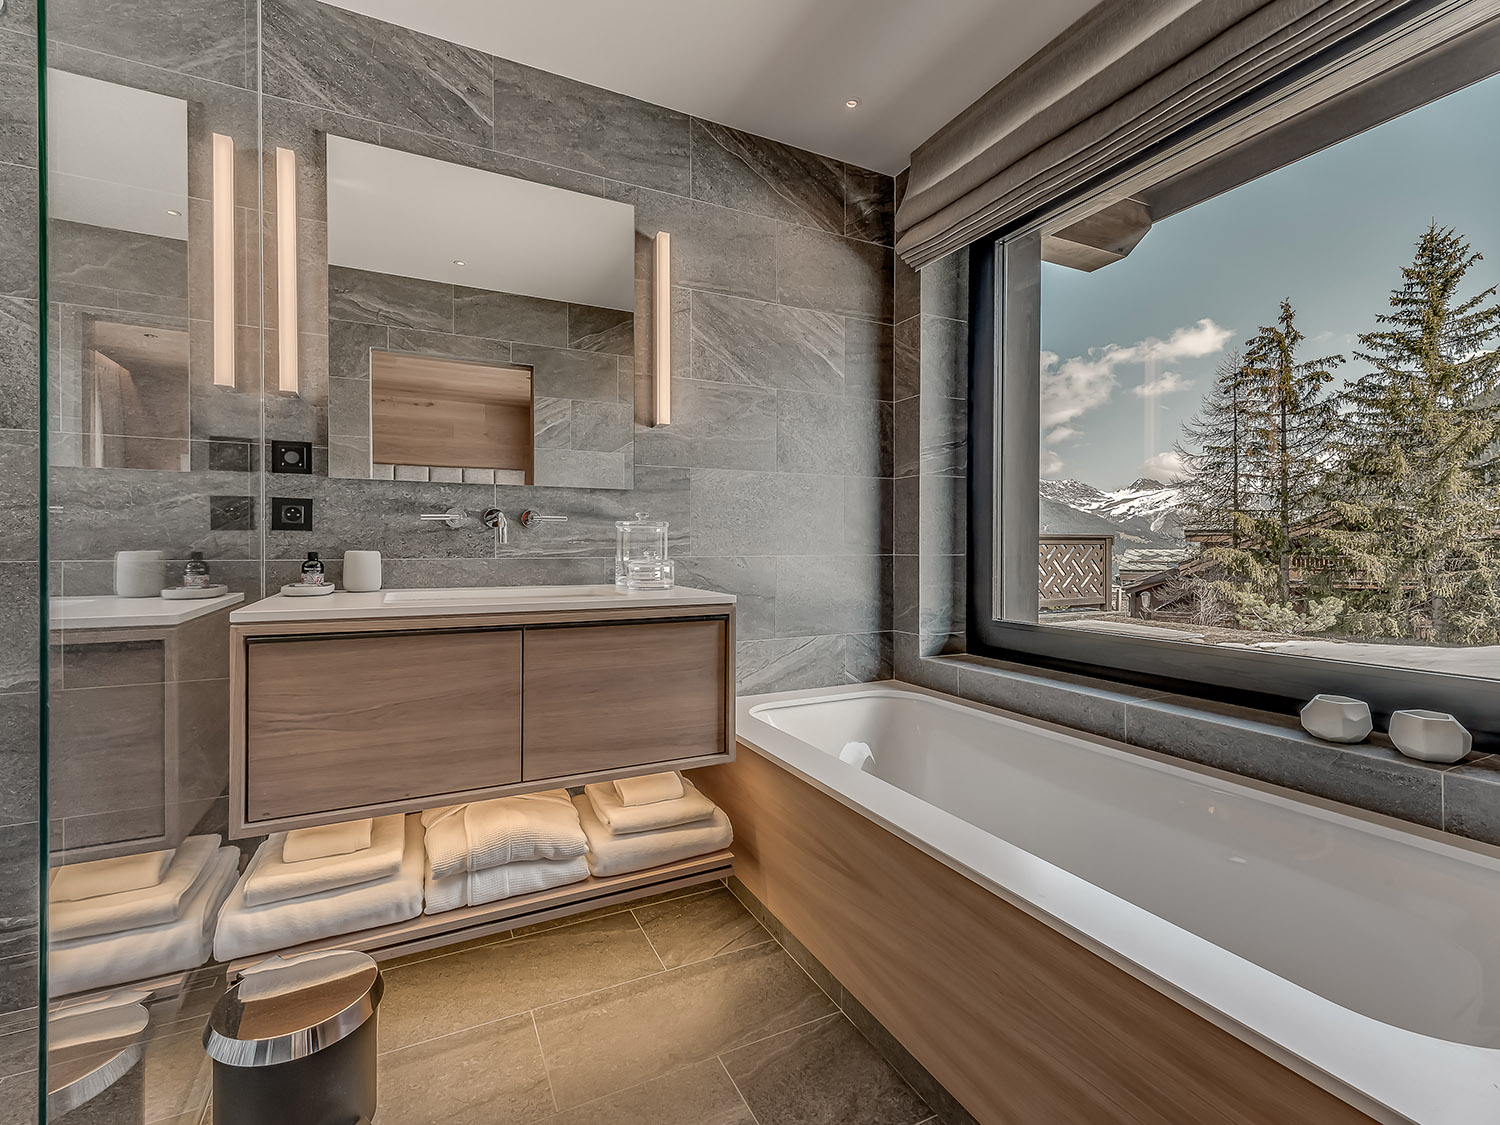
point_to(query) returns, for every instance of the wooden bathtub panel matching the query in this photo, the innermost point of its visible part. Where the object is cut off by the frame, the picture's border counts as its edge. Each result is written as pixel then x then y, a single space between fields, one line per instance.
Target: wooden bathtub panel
pixel 1019 1022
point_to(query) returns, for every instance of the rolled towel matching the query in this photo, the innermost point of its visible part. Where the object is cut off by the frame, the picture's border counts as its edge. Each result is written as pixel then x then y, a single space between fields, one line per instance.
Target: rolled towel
pixel 247 930
pixel 275 880
pixel 277 975
pixel 132 910
pixel 505 830
pixel 473 888
pixel 650 789
pixel 99 962
pixel 858 755
pixel 690 807
pixel 326 840
pixel 100 877
pixel 610 854
pixel 84 1027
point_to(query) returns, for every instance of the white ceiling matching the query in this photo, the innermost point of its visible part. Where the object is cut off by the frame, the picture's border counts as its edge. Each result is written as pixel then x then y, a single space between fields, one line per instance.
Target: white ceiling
pixel 398 213
pixel 778 68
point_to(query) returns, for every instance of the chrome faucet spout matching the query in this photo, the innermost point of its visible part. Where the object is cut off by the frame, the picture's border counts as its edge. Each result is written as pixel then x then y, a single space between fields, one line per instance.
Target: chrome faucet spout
pixel 494 518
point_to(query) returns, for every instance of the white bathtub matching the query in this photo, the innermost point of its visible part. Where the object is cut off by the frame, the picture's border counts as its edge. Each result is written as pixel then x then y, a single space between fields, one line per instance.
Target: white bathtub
pixel 1362 953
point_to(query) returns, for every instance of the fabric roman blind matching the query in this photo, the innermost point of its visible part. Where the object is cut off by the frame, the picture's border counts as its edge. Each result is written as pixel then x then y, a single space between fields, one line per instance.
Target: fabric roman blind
pixel 1134 76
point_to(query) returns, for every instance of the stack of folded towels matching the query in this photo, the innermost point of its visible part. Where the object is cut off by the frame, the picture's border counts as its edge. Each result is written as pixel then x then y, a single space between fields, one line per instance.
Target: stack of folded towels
pixel 136 917
pixel 490 850
pixel 640 822
pixel 316 883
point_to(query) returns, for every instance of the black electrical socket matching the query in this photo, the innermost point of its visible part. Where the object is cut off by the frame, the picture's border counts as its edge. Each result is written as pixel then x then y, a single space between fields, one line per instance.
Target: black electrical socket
pixel 290 514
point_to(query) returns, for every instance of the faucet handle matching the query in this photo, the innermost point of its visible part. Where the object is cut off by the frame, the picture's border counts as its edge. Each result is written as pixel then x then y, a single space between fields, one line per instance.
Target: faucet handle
pixel 453 517
pixel 530 516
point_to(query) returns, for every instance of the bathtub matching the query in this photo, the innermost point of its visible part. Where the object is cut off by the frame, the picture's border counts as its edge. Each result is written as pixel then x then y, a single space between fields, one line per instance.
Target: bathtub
pixel 1362 953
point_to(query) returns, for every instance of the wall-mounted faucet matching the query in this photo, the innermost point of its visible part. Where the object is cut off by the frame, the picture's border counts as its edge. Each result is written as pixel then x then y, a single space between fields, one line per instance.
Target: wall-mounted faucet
pixel 531 516
pixel 495 519
pixel 453 517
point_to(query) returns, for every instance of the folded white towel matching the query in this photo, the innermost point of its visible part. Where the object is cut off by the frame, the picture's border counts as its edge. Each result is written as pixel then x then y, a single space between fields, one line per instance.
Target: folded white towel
pixel 610 854
pixel 153 951
pixel 505 830
pixel 649 789
pixel 858 755
pixel 80 1027
pixel 473 888
pixel 275 880
pixel 247 930
pixel 132 910
pixel 327 840
pixel 277 975
pixel 691 806
pixel 109 876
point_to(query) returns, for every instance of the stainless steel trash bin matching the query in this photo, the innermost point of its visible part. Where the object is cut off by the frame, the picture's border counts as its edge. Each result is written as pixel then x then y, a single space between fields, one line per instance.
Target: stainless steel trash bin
pixel 294 1042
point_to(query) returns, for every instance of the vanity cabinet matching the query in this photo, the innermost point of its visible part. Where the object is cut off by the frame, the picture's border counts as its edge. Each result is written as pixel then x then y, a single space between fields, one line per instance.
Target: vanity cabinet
pixel 337 719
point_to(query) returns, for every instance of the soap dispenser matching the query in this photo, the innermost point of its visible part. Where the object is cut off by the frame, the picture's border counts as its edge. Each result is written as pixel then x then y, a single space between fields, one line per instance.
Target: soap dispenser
pixel 312 570
pixel 195 573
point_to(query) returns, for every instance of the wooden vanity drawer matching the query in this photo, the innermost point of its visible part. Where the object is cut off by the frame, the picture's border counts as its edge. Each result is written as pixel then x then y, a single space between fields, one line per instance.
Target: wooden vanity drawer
pixel 610 697
pixel 337 722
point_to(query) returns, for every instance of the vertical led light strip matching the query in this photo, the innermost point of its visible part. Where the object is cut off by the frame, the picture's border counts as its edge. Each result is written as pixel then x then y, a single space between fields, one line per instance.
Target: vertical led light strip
pixel 661 326
pixel 286 268
pixel 223 228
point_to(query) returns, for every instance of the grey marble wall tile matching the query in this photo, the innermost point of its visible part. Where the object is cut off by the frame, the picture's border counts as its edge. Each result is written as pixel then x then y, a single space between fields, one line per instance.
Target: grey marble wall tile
pixel 559 121
pixel 912 667
pixel 662 492
pixel 205 38
pixel 832 434
pixel 19 469
pixel 1471 799
pixel 19 988
pixel 349 410
pixel 1074 701
pixel 832 594
pixel 906 593
pixel 907 291
pixel 18 241
pixel 20 881
pixel 789 664
pixel 868 657
pixel 867 515
pixel 907 358
pixel 501 163
pixel 945 287
pixel 20 757
pixel 832 273
pixel 552 422
pixel 714 425
pixel 750 173
pixel 944 362
pixel 869 206
pixel 714 249
pixel 418 573
pixel 396 302
pixel 906 515
pixel 603 427
pixel 18 97
pixel 943 595
pixel 558 373
pixel 450 345
pixel 509 316
pixel 944 436
pixel 349 346
pixel 330 58
pixel 353 514
pixel 762 344
pixel 582 468
pixel 304 129
pixel 96 512
pixel 943 523
pixel 740 513
pixel 593 329
pixel 750 578
pixel 868 358
pixel 1275 749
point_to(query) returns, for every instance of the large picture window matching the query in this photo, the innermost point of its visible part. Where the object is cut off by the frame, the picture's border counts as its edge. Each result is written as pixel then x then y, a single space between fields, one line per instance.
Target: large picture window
pixel 1254 443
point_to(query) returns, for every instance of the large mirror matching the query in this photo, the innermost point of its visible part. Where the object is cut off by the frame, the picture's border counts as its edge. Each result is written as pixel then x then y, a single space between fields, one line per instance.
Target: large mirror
pixel 481 328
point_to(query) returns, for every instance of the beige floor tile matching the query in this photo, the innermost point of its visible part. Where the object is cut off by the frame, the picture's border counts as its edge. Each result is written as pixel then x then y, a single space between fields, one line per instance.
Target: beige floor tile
pixel 488 1074
pixel 701 1094
pixel 179 1075
pixel 825 1073
pixel 446 994
pixel 683 930
pixel 625 1035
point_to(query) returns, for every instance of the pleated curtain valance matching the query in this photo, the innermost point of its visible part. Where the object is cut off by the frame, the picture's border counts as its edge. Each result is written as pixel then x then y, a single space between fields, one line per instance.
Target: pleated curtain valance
pixel 1126 77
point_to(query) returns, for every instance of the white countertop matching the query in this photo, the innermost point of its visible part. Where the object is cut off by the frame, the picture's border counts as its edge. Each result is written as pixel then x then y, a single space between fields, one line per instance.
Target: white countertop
pixel 109 612
pixel 342 605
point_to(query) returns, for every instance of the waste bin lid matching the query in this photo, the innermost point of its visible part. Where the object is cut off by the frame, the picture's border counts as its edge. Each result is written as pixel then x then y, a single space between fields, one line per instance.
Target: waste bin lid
pixel 287 1008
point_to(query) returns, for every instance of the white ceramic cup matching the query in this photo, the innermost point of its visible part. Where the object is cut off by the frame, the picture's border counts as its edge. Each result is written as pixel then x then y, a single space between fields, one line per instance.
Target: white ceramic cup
pixel 140 574
pixel 1337 718
pixel 362 571
pixel 1430 736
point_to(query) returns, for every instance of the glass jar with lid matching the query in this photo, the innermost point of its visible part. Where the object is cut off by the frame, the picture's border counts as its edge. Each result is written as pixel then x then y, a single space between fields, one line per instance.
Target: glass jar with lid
pixel 641 561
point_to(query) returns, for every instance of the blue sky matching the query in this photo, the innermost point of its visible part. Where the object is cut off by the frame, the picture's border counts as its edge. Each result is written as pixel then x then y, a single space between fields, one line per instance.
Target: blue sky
pixel 1129 349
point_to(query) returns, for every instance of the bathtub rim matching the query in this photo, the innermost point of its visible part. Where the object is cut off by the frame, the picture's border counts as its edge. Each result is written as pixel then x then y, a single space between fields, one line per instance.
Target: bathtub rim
pixel 1349 1054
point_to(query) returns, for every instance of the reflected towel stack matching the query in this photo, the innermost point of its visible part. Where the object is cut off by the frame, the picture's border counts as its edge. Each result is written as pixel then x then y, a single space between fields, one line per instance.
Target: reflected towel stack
pixel 280 902
pixel 101 935
pixel 626 833
pixel 492 850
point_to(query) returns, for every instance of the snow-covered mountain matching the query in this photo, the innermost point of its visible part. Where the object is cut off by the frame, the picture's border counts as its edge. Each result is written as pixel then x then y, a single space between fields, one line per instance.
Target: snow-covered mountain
pixel 1145 513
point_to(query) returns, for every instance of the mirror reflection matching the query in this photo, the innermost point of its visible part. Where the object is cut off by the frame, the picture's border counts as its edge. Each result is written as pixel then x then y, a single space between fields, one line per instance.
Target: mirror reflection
pixel 481 328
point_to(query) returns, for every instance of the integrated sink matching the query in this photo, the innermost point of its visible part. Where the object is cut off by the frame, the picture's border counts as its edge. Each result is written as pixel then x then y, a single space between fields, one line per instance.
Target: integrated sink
pixel 488 595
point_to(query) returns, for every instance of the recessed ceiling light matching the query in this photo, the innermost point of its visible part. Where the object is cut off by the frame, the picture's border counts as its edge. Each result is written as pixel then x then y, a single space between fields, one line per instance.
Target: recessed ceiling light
pixel 456 262
pixel 178 214
pixel 852 103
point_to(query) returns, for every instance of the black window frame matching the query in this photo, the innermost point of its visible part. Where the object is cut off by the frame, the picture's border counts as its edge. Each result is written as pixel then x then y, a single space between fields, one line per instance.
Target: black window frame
pixel 1004 437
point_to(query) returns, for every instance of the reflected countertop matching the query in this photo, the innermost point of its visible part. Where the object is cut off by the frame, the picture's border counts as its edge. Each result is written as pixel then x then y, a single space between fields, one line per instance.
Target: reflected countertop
pixel 109 612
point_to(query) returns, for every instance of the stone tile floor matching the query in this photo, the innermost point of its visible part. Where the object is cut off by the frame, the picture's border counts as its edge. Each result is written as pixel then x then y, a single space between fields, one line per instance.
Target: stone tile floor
pixel 679 1010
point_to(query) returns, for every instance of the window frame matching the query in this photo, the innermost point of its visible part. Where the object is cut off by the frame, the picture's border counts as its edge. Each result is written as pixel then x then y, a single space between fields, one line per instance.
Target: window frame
pixel 1004 432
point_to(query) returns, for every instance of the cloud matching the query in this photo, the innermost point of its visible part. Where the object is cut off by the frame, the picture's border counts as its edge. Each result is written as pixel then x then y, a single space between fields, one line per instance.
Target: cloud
pixel 1060 434
pixel 1051 462
pixel 1075 386
pixel 1167 466
pixel 1166 384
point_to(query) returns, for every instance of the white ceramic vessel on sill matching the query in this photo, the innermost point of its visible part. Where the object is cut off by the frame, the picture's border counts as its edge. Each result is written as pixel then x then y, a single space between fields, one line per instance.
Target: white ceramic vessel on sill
pixel 1337 718
pixel 1430 736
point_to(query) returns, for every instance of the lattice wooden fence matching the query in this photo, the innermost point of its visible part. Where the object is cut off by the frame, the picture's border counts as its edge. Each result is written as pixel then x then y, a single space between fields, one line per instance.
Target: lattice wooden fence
pixel 1075 571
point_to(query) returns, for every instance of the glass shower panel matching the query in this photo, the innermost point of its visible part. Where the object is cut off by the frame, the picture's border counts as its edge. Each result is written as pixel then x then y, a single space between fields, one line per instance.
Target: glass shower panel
pixel 154 435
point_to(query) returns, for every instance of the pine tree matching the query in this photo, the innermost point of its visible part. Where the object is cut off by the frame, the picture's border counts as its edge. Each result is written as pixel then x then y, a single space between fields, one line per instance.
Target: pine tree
pixel 1291 424
pixel 1420 490
pixel 1215 451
